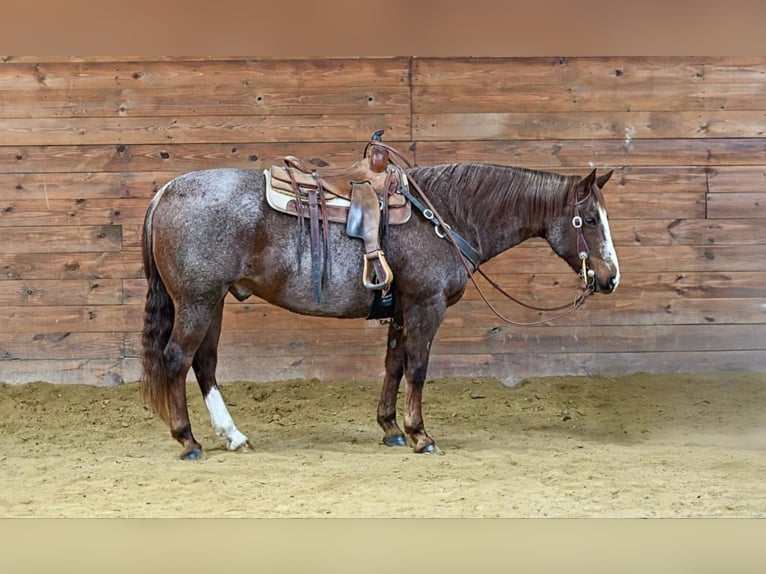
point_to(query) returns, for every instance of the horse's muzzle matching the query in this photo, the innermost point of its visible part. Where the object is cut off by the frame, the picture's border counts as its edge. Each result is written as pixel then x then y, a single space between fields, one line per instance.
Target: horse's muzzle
pixel 595 283
pixel 607 286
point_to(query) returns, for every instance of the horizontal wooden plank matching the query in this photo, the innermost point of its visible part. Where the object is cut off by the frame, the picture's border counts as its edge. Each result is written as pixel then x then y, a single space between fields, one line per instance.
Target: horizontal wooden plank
pixel 74 265
pixel 549 339
pixel 61 344
pixel 607 339
pixel 80 211
pixel 197 129
pixel 664 180
pixel 511 369
pixel 687 232
pixel 57 239
pixel 627 126
pixel 616 310
pixel 508 368
pixel 557 155
pixel 69 371
pixel 588 95
pixel 53 293
pixel 61 59
pixel 204 99
pixel 736 205
pixel 589 84
pixel 254 74
pixel 679 205
pixel 550 289
pixel 627 180
pixel 651 287
pixel 607 71
pixel 628 232
pixel 634 304
pixel 725 179
pixel 45 187
pixel 85 210
pixel 651 291
pixel 672 219
pixel 180 158
pixel 676 258
pixel 552 154
pixel 39 320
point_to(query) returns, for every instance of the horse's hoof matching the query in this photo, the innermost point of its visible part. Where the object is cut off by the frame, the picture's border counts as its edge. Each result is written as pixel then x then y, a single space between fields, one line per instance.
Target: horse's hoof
pixel 430 449
pixel 397 440
pixel 244 447
pixel 193 454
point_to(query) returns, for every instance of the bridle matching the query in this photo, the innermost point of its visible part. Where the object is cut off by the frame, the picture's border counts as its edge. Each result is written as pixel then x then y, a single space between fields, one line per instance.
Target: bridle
pixel 471 259
pixel 588 276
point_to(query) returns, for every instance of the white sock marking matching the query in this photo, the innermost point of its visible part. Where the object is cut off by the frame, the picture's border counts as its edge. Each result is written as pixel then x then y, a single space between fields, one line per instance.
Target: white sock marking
pixel 221 420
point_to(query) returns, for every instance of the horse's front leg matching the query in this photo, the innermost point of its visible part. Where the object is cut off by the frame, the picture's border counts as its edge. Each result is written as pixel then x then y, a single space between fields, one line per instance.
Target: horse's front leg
pixel 421 324
pixel 393 435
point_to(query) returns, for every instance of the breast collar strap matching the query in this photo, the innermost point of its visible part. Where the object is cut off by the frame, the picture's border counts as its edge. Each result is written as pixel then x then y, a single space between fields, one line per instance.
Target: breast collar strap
pixel 468 251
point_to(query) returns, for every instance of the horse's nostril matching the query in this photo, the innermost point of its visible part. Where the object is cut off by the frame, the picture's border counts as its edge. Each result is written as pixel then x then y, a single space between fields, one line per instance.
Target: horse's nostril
pixel 613 282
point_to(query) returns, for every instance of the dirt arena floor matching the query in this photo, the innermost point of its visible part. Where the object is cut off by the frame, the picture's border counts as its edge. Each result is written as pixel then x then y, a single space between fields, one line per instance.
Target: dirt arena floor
pixel 637 446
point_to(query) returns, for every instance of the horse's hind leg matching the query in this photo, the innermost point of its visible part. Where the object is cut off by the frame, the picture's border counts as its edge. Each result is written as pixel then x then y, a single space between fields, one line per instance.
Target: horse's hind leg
pixel 204 365
pixel 189 330
pixel 393 435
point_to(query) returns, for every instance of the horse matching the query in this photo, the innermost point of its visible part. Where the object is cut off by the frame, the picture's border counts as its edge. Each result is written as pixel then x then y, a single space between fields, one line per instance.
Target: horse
pixel 211 232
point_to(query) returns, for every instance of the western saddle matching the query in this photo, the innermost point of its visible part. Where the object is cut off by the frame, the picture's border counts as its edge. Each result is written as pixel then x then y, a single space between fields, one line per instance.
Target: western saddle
pixel 366 197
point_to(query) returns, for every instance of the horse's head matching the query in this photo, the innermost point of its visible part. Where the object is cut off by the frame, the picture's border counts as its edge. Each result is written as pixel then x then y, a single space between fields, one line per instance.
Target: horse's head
pixel 582 238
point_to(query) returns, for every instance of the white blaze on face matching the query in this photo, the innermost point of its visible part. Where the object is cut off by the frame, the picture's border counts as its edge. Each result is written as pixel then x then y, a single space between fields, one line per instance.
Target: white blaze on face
pixel 608 253
pixel 222 421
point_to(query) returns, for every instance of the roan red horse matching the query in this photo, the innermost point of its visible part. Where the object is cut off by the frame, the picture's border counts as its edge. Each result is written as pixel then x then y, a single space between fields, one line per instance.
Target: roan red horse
pixel 212 232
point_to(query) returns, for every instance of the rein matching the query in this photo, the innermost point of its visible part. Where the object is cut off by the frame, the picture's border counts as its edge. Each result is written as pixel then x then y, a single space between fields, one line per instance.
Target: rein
pixel 471 259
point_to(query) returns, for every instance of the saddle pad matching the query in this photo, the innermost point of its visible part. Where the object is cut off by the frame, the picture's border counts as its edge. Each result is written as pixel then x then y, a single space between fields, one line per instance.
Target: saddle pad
pixel 337 207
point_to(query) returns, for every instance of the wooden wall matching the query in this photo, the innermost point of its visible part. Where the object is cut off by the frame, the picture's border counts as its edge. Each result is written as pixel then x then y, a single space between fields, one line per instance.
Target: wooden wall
pixel 84 143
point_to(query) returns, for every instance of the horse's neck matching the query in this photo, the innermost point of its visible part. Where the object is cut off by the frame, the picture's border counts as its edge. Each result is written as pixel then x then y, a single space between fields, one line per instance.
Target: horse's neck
pixel 494 229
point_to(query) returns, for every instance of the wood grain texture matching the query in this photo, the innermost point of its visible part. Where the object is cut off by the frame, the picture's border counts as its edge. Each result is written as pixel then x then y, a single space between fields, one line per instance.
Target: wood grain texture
pixel 85 143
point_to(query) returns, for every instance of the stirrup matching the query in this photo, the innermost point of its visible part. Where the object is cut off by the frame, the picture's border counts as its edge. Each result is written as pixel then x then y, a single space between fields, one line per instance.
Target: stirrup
pixel 382 271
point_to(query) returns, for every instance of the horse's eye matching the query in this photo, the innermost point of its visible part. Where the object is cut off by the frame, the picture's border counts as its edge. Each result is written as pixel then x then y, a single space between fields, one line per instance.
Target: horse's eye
pixel 590 221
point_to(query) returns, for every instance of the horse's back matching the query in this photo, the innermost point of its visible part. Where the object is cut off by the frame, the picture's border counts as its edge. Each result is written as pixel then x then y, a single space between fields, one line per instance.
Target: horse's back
pixel 198 192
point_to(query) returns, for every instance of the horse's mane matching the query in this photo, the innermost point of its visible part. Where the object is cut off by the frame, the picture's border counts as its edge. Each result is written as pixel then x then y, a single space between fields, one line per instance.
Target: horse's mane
pixel 477 191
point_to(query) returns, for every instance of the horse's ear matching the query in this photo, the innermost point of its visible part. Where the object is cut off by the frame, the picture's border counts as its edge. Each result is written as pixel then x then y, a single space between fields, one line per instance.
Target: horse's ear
pixel 586 184
pixel 601 181
pixel 588 180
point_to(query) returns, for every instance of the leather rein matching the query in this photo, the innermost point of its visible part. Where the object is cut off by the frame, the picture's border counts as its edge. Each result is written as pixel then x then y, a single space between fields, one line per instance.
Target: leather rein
pixel 471 259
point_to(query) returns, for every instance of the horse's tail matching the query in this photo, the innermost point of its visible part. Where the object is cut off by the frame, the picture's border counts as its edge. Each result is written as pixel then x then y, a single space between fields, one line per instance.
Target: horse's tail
pixel 159 315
